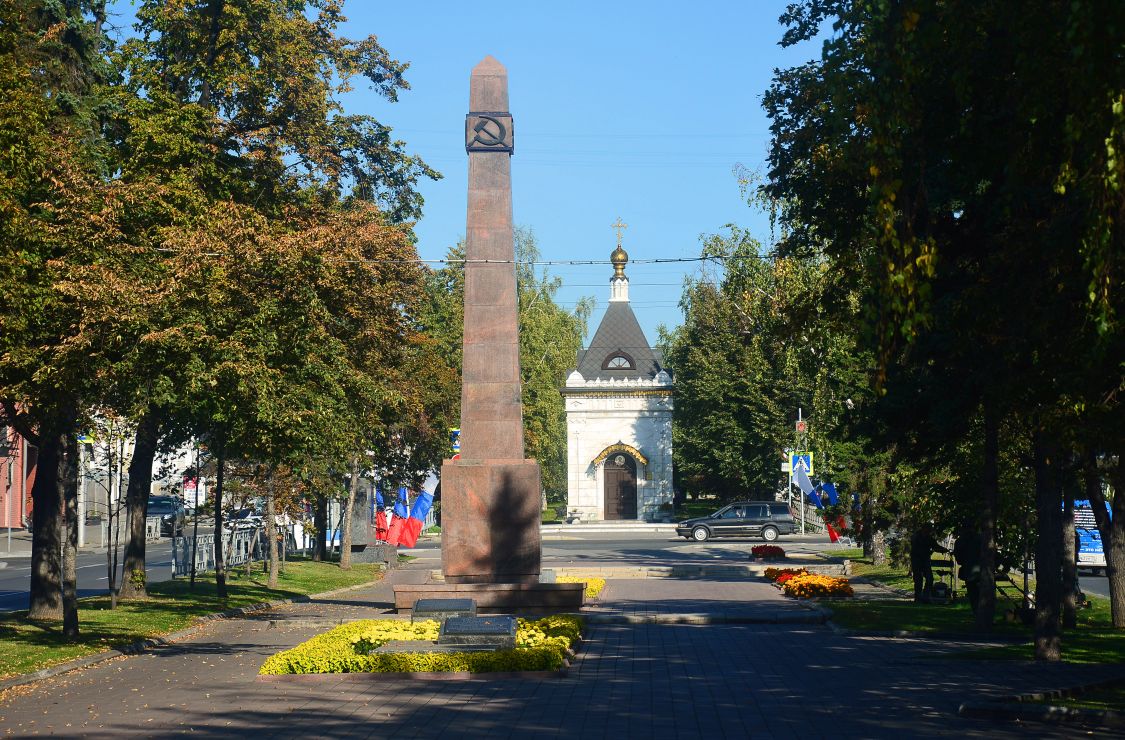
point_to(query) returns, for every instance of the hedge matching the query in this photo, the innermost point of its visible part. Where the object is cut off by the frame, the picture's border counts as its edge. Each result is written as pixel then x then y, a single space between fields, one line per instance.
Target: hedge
pixel 541 645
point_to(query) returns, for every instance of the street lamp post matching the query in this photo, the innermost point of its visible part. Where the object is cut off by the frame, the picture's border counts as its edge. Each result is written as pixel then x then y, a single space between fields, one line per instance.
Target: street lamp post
pixel 789 469
pixel 8 502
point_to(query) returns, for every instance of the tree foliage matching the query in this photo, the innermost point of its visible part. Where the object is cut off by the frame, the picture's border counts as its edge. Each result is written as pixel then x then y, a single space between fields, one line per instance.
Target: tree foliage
pixel 958 163
pixel 197 235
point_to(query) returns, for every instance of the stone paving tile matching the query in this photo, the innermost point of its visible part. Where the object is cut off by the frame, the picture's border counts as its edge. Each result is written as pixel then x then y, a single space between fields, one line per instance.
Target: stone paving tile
pixel 646 680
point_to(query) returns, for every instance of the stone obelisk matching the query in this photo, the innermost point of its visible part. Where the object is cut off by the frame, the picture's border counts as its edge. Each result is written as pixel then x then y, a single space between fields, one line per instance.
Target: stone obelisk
pixel 490 500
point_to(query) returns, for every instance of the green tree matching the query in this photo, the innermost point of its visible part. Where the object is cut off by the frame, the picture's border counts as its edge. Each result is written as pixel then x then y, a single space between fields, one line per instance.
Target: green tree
pixel 929 152
pixel 755 346
pixel 51 62
pixel 231 101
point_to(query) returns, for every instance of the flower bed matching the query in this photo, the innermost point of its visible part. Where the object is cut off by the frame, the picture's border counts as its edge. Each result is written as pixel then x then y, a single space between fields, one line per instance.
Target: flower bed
pixel 594 586
pixel 811 585
pixel 767 552
pixel 541 645
pixel 775 573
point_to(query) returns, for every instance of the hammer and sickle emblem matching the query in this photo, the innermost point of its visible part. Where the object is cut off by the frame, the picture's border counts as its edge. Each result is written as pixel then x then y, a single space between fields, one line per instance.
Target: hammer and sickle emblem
pixel 485 133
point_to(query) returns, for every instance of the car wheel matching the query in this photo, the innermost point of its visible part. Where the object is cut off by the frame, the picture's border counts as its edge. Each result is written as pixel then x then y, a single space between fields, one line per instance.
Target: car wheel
pixel 769 534
pixel 700 534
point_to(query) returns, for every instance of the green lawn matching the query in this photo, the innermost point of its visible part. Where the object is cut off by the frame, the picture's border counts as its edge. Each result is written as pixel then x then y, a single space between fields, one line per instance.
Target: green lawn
pixel 884 574
pixel 28 646
pixel 1092 641
pixel 891 615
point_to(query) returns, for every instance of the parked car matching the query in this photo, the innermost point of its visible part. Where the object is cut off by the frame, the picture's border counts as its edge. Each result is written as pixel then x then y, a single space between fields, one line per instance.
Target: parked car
pixel 765 519
pixel 170 509
pixel 243 519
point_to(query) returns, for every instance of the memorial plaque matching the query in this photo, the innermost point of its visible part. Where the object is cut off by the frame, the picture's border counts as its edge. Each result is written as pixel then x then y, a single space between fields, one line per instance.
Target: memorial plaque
pixel 495 632
pixel 443 609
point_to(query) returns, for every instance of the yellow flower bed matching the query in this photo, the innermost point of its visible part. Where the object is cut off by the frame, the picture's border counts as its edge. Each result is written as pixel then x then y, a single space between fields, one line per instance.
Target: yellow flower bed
pixel 811 585
pixel 541 645
pixel 594 586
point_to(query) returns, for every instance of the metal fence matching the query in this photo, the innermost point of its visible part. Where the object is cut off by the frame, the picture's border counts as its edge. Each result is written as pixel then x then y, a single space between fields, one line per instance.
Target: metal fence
pixel 239 546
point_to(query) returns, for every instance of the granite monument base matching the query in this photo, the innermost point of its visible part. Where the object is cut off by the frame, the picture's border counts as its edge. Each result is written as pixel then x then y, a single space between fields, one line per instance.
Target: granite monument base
pixel 490 514
pixel 376 552
pixel 498 598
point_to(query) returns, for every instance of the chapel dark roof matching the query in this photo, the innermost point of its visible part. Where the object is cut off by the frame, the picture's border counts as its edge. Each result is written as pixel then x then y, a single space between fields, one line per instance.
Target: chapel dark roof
pixel 619 334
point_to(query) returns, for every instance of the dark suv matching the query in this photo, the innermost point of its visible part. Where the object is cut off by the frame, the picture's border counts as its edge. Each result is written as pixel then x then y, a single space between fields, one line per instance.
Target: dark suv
pixel 170 509
pixel 765 519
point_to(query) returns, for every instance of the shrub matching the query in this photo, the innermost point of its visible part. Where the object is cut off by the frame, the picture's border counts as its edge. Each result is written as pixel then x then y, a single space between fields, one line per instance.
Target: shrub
pixel 594 586
pixel 767 551
pixel 810 586
pixel 541 645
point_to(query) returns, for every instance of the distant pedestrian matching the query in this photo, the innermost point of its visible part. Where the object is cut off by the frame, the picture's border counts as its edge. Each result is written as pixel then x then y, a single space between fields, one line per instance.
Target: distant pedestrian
pixel 922 547
pixel 966 551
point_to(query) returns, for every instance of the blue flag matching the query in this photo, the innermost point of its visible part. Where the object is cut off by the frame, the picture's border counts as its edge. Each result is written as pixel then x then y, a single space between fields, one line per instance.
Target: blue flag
pixel 830 489
pixel 379 496
pixel 401 506
pixel 422 506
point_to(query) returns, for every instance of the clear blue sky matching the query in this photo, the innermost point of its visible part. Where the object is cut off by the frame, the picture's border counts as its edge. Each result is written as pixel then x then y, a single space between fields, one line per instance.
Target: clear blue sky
pixel 623 108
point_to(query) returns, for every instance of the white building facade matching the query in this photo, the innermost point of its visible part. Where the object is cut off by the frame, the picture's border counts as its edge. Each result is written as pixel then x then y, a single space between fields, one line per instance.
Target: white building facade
pixel 619 404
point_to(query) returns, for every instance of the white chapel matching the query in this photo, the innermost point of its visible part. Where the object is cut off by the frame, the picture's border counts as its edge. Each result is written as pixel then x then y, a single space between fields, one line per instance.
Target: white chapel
pixel 619 417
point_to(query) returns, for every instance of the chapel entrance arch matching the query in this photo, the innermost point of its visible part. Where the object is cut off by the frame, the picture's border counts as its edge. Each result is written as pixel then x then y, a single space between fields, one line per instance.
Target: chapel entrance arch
pixel 620 474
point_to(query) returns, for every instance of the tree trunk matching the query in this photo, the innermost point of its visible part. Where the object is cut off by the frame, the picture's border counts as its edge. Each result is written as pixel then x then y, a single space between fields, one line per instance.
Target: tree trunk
pixel 140 484
pixel 68 483
pixel 879 548
pixel 320 523
pixel 271 532
pixel 990 501
pixel 346 535
pixel 44 599
pixel 1069 566
pixel 867 517
pixel 1048 549
pixel 1111 530
pixel 220 566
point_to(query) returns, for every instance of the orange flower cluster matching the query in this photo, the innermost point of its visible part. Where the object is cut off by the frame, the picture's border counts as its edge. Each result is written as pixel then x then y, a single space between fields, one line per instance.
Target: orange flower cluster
pixel 775 573
pixel 811 586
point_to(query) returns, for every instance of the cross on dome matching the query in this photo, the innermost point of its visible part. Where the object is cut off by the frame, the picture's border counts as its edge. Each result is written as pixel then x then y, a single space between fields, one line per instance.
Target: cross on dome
pixel 619 227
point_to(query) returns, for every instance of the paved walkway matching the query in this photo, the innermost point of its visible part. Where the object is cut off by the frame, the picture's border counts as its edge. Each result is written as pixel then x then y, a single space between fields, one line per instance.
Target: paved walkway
pixel 654 679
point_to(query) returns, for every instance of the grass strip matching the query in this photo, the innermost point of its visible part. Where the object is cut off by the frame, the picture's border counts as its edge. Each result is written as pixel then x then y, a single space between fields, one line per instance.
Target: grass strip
pixel 1092 641
pixel 1106 698
pixel 172 605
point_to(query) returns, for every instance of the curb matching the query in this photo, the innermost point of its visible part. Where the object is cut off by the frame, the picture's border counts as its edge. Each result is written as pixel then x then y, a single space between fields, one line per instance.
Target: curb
pixel 140 646
pixel 1018 708
pixel 416 676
